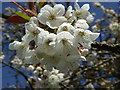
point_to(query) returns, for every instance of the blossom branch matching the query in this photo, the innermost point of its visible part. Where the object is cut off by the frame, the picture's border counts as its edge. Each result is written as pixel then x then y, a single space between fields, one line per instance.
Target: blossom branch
pixel 74 76
pixel 27 11
pixel 115 48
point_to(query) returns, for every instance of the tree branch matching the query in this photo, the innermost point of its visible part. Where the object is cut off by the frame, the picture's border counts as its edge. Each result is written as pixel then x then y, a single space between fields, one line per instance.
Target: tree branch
pixel 21 73
pixel 114 48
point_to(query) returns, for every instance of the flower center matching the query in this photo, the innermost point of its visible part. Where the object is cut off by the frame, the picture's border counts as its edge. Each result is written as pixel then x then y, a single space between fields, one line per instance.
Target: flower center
pixel 47 42
pixel 52 17
pixel 81 33
pixel 65 28
pixel 64 41
pixel 78 13
pixel 81 13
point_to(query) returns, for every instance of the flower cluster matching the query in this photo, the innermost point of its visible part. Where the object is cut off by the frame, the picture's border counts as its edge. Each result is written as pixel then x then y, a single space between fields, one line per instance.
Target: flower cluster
pixel 53 37
pixel 47 79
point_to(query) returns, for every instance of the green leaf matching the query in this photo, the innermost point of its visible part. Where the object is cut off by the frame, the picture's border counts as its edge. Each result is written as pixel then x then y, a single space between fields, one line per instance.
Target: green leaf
pixel 41 4
pixel 23 15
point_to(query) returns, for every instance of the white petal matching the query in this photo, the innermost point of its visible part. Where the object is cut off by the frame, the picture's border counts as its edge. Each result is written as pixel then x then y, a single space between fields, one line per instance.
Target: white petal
pixel 15 45
pixel 34 20
pixel 86 7
pixel 56 23
pixel 92 36
pixel 81 23
pixel 90 18
pixel 61 19
pixel 83 58
pixel 64 34
pixel 69 12
pixel 66 27
pixel 43 17
pixel 31 27
pixel 59 9
pixel 77 7
pixel 47 8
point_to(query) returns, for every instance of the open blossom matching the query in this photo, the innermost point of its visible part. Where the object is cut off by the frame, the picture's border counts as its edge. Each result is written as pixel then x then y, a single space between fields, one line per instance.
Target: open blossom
pixel 66 27
pixel 114 26
pixel 17 62
pixel 69 14
pixel 53 17
pixel 52 79
pixel 85 37
pixel 55 77
pixel 48 44
pixel 64 42
pixel 81 23
pixel 15 45
pixel 83 13
pixel 32 30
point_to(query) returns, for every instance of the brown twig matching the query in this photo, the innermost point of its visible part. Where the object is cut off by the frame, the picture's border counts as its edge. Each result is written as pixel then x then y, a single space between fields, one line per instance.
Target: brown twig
pixel 21 73
pixel 27 11
pixel 32 6
pixel 114 48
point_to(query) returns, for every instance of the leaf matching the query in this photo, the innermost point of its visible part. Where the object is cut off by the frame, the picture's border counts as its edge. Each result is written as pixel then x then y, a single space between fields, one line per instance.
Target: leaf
pixel 23 15
pixel 41 4
pixel 16 20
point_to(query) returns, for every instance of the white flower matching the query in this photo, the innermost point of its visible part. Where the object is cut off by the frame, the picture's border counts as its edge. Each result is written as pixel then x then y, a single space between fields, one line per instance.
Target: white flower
pixel 66 27
pixel 95 28
pixel 114 26
pixel 1 57
pixel 32 34
pixel 64 43
pixel 53 79
pixel 82 24
pixel 41 37
pixel 39 68
pixel 48 44
pixel 46 72
pixel 31 28
pixel 83 51
pixel 90 18
pixel 83 13
pixel 64 38
pixel 17 62
pixel 15 45
pixel 30 67
pixel 50 61
pixel 23 52
pixel 32 59
pixel 69 14
pixel 85 37
pixel 36 72
pixel 97 4
pixel 52 16
pixel 34 20
pixel 60 76
pixel 54 71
